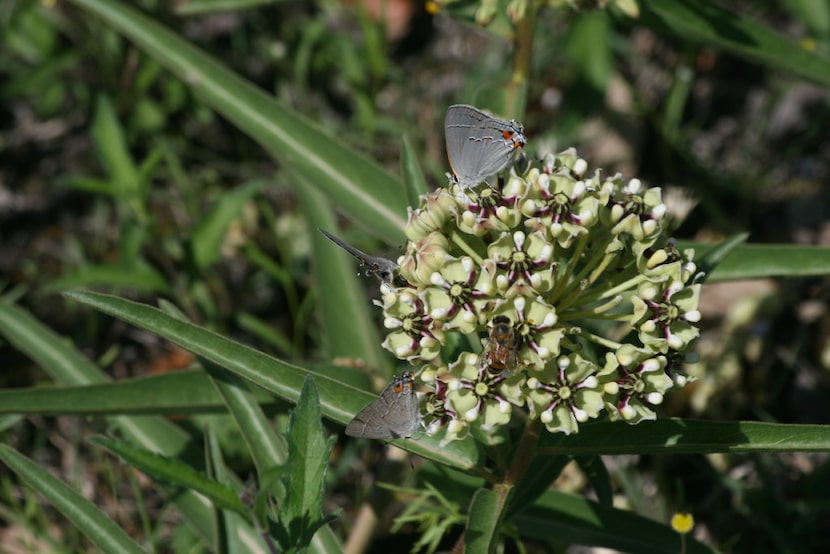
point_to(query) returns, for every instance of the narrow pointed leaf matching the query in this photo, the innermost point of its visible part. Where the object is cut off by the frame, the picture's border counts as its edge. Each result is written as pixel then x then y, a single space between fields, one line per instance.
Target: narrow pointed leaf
pixel 711 25
pixel 675 436
pixel 482 522
pixel 413 177
pixel 339 401
pixel 359 186
pixel 83 514
pixel 343 304
pixel 173 471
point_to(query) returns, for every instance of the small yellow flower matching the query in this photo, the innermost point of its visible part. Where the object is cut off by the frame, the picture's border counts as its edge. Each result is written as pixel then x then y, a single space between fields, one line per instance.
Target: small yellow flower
pixel 809 44
pixel 682 522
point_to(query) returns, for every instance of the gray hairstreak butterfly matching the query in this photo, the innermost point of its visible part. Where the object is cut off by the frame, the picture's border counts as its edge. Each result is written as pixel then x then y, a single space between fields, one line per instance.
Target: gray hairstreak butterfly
pixel 383 269
pixel 392 415
pixel 479 145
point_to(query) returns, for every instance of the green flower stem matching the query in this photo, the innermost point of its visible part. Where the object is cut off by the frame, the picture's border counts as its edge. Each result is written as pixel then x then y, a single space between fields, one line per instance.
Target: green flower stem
pixel 564 280
pixel 628 284
pixel 597 294
pixel 594 266
pixel 610 344
pixel 575 293
pixel 597 312
pixel 600 268
pixel 524 33
pixel 576 280
pixel 521 461
pixel 524 453
pixel 459 241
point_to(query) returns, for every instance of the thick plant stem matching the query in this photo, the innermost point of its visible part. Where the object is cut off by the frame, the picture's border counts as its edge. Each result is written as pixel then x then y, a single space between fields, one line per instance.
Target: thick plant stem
pixel 522 61
pixel 524 453
pixel 521 460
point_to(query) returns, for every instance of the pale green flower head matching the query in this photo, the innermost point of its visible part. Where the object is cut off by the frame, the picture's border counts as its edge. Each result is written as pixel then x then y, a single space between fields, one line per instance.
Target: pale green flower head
pixel 546 272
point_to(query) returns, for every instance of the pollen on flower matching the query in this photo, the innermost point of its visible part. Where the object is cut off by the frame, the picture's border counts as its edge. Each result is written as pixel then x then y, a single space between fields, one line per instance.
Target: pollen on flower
pixel 545 277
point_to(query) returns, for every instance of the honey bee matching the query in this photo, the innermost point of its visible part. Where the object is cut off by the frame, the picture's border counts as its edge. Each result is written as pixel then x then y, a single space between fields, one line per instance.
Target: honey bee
pixel 501 351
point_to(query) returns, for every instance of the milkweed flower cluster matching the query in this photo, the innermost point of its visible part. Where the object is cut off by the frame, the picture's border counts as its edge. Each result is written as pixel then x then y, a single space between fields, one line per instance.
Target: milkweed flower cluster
pixel 602 307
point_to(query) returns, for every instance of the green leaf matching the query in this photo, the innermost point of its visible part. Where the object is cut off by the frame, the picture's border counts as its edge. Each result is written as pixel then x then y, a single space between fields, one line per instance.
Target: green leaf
pixel 179 392
pixel 359 186
pixel 413 177
pixel 113 152
pixel 63 363
pixel 209 234
pixel 598 476
pixel 309 449
pixel 230 525
pixel 683 436
pixel 709 24
pixel 265 332
pixel 348 329
pixel 268 450
pixel 197 7
pixel 173 471
pixel 815 14
pixel 713 257
pixel 138 277
pixel 768 260
pixel 339 401
pixel 569 519
pixel 95 185
pixel 265 447
pixel 483 522
pixel 83 514
pixel 540 474
pixel 589 48
pixel 564 518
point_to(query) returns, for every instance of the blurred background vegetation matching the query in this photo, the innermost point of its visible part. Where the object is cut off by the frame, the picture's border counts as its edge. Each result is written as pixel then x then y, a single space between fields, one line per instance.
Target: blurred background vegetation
pixel 115 175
